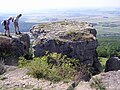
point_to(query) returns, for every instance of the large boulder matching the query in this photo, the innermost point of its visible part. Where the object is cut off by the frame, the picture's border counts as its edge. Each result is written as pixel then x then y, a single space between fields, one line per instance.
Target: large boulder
pixel 25 39
pixel 74 39
pixel 12 48
pixel 112 64
pixel 106 81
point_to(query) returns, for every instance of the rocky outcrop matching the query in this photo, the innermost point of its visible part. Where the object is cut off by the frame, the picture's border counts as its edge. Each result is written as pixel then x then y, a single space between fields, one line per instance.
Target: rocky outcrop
pixel 11 48
pixel 25 40
pixel 74 39
pixel 83 86
pixel 112 64
pixel 106 81
pixel 19 80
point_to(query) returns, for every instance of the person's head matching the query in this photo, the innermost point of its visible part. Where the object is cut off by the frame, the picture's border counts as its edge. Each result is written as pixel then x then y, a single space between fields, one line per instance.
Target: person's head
pixel 10 18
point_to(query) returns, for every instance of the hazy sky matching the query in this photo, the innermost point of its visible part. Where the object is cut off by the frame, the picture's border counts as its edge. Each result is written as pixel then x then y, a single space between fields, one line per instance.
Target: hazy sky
pixel 31 5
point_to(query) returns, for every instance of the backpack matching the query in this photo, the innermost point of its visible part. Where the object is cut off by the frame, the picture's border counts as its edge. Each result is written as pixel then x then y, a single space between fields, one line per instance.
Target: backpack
pixel 12 19
pixel 4 22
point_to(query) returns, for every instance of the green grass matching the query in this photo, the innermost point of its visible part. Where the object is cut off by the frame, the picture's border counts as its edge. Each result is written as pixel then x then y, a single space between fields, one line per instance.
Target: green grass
pixel 103 62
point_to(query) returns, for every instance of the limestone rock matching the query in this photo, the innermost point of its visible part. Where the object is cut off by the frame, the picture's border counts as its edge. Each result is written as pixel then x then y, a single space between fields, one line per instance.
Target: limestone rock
pixel 112 64
pixel 19 79
pixel 11 48
pixel 83 86
pixel 106 81
pixel 74 39
pixel 25 39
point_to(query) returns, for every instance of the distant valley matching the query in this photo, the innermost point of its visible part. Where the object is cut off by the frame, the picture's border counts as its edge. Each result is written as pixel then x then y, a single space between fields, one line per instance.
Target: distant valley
pixel 106 21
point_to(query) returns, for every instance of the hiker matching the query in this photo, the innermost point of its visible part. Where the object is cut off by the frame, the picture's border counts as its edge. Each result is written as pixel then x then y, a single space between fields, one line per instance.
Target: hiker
pixel 5 24
pixel 15 22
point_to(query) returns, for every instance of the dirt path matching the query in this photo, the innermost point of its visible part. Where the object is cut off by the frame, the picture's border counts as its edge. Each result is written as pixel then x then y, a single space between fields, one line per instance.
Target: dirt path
pixel 17 79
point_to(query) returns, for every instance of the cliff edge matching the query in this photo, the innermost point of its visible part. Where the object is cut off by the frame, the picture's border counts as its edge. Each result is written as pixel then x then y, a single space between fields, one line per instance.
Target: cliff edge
pixel 74 39
pixel 11 48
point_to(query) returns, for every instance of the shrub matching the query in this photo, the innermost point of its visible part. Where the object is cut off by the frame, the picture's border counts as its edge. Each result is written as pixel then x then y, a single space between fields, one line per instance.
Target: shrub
pixel 38 68
pixel 103 62
pixel 22 62
pixel 53 67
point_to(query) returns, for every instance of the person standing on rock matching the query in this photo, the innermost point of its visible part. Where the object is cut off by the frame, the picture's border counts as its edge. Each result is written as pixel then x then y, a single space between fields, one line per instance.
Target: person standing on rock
pixel 15 23
pixel 5 24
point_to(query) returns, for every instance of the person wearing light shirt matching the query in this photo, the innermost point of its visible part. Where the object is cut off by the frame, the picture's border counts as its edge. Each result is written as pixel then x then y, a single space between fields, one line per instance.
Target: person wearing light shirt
pixel 16 25
pixel 5 24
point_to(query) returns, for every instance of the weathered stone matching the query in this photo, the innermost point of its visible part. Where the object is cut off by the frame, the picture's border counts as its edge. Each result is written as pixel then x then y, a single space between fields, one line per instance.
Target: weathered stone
pixel 112 64
pixel 18 78
pixel 106 81
pixel 25 39
pixel 11 48
pixel 74 39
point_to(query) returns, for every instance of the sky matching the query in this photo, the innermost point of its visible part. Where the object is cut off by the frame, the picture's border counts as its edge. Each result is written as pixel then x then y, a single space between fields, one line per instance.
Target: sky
pixel 32 5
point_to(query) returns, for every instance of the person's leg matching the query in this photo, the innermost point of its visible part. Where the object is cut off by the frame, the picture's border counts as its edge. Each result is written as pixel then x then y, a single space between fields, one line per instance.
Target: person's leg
pixel 9 31
pixel 5 28
pixel 18 28
pixel 15 27
pixel 5 32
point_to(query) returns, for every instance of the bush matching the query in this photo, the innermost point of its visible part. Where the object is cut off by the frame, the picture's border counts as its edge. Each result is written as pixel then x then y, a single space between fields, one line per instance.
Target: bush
pixel 22 62
pixel 53 67
pixel 38 68
pixel 103 62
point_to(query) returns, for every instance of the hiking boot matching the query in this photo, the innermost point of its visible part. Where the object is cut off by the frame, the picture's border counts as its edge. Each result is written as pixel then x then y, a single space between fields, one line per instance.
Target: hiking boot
pixel 16 33
pixel 10 36
pixel 5 34
pixel 20 32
